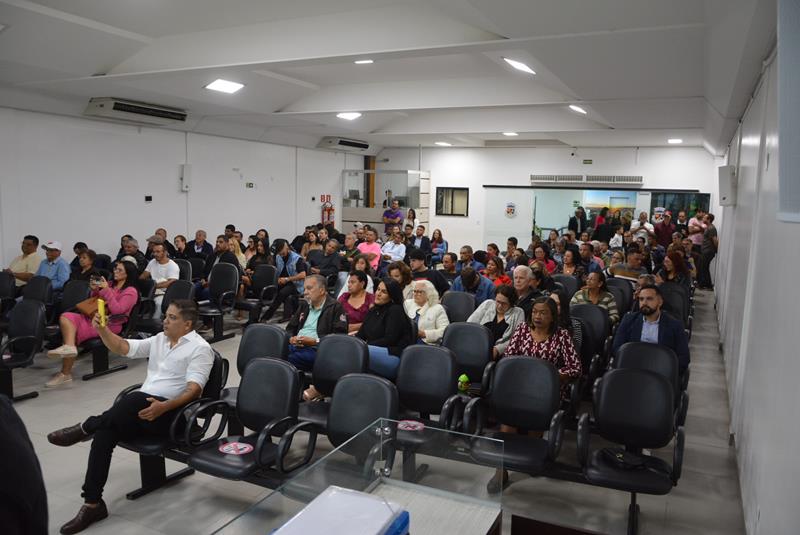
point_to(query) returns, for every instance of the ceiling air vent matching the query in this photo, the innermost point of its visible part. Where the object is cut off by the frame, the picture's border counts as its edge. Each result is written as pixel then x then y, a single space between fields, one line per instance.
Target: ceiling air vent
pixel 556 179
pixel 134 112
pixel 615 179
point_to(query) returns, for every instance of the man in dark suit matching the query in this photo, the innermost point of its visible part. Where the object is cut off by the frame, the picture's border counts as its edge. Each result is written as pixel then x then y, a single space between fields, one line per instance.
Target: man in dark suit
pixel 221 254
pixel 578 223
pixel 651 324
pixel 420 240
pixel 199 246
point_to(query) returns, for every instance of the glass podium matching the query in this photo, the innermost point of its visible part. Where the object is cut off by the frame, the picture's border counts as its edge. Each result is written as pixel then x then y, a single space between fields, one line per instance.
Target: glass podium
pixel 423 470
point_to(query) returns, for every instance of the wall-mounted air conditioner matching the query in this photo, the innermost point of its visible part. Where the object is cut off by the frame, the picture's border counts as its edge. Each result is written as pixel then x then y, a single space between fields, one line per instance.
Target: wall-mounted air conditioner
pixel 134 112
pixel 342 144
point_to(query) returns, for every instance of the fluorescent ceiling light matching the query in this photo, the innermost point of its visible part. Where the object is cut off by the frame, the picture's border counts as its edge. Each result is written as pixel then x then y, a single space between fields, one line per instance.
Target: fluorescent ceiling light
pixel 348 115
pixel 363 62
pixel 443 144
pixel 510 134
pixel 519 66
pixel 224 86
pixel 674 141
pixel 578 109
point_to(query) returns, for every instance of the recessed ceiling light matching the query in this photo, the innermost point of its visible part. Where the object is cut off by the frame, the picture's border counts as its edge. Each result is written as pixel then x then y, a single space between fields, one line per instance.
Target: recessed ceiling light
pixel 348 115
pixel 510 134
pixel 363 62
pixel 443 144
pixel 578 109
pixel 224 86
pixel 674 141
pixel 519 66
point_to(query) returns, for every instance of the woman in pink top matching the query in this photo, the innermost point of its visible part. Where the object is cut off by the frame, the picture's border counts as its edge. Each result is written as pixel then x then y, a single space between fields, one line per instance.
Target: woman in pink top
pixel 356 301
pixel 120 297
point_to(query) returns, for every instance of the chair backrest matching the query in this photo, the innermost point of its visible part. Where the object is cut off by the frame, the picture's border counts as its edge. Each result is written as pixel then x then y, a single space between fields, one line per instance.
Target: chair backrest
pixel 264 275
pixel 338 355
pixel 625 285
pixel 75 291
pixel 676 301
pixel 471 345
pixel 358 400
pixel 224 278
pixel 623 305
pixel 27 318
pixel 314 257
pixel 262 341
pixel 427 376
pixel 39 288
pixel 269 389
pixel 586 349
pixel 102 261
pixel 525 392
pixel 8 285
pixel 180 289
pixel 146 287
pixel 198 267
pixel 653 357
pixel 569 282
pixel 459 305
pixel 185 268
pixel 634 407
pixel 216 378
pixel 597 319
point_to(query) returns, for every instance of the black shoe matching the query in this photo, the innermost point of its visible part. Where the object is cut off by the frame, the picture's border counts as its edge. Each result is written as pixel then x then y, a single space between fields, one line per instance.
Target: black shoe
pixel 494 486
pixel 86 517
pixel 68 436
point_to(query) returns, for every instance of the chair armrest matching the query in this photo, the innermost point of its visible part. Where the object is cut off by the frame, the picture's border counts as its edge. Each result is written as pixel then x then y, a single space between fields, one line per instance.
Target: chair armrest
pixel 473 410
pixel 265 436
pixel 677 456
pixel 286 442
pixel 184 415
pixel 595 368
pixel 575 389
pixel 125 392
pixel 555 435
pixel 188 439
pixel 683 408
pixel 224 298
pixel 583 439
pixel 11 341
pixel 374 454
pixel 448 413
pixel 486 380
pixel 684 378
pixel 268 294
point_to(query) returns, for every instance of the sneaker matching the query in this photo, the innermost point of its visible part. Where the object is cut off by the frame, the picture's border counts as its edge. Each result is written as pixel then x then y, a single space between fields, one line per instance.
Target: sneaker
pixel 58 380
pixel 63 351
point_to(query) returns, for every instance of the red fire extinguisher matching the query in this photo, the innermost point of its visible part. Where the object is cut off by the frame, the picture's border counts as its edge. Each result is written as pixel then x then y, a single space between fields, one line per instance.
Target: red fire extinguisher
pixel 328 213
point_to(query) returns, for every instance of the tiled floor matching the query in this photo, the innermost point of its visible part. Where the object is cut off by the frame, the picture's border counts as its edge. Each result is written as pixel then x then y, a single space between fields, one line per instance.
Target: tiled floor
pixel 706 501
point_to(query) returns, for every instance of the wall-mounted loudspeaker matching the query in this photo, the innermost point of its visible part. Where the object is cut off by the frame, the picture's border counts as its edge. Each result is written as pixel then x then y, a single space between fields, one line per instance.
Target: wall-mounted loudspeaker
pixel 727 185
pixel 186 177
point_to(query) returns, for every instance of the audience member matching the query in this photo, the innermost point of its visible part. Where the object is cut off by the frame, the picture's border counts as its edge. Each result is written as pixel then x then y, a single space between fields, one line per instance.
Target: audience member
pixel 500 316
pixel 394 250
pixel 657 253
pixel 492 251
pixel 419 271
pixel 386 329
pixel 132 249
pixel 631 269
pixel 146 412
pixel 511 246
pixel 250 250
pixel 54 267
pixel 448 270
pixel 370 248
pixel 674 270
pixel 649 324
pixel 78 248
pixel 291 270
pixel 408 235
pixel 199 247
pixel 86 270
pixel 616 241
pixel 578 223
pixel 25 266
pixel 312 244
pixel 122 241
pixel 697 228
pixel 120 297
pixel 391 217
pixel 164 272
pixel 617 257
pixel 361 264
pixel 221 254
pixel 495 271
pixel 169 247
pixel 587 260
pixel 542 254
pixel 401 274
pixel 411 219
pixel 472 282
pixel 572 265
pixel 467 259
pixel 182 251
pixel 438 247
pixel 642 228
pixel 664 229
pixel 421 241
pixel 525 294
pixel 424 310
pixel 356 301
pixel 682 224
pixel 708 250
pixel 329 263
pixel 596 292
pixel 536 240
pixel 552 239
pixel 300 240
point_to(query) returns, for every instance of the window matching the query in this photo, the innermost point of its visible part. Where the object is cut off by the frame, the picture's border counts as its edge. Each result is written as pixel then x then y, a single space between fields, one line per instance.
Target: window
pixel 452 201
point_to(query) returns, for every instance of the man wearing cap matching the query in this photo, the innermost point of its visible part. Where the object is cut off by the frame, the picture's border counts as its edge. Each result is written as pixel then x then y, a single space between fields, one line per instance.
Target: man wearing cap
pixel 664 230
pixel 419 271
pixel 54 267
pixel 25 265
pixel 159 236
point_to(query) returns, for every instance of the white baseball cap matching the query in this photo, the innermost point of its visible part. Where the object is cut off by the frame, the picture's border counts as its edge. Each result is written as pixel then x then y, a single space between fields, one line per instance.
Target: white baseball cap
pixel 52 245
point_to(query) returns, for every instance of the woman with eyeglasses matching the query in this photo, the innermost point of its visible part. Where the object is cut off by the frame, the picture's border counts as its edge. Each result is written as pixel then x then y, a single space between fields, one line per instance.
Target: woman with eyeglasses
pixel 424 310
pixel 500 316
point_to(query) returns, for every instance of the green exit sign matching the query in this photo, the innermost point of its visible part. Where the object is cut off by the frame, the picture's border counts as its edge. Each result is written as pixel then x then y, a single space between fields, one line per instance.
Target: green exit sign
pixel 587 162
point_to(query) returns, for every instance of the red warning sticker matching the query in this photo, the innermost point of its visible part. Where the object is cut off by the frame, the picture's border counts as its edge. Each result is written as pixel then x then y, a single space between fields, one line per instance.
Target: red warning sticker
pixel 235 448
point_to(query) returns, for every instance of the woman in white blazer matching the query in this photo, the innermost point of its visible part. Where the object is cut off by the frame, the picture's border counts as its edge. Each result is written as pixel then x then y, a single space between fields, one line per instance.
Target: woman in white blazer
pixel 500 316
pixel 424 308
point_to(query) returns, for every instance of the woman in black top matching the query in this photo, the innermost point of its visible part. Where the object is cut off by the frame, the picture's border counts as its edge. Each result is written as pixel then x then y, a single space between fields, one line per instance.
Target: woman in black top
pixel 386 329
pixel 86 269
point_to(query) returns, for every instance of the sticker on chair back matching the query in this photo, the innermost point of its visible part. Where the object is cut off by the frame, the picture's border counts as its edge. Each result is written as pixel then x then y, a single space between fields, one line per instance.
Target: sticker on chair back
pixel 235 448
pixel 410 425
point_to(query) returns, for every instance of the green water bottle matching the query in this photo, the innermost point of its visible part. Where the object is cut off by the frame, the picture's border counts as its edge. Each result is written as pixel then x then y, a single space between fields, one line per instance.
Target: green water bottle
pixel 463 383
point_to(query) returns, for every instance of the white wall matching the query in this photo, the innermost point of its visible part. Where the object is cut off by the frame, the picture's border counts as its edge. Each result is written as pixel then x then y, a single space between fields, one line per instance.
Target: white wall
pixel 662 168
pixel 757 310
pixel 71 180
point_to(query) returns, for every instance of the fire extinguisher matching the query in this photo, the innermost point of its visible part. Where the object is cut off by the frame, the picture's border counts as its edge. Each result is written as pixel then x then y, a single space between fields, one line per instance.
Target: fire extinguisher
pixel 328 213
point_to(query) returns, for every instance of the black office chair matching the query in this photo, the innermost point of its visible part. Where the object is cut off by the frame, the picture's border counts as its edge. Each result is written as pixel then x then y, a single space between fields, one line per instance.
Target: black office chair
pixel 147 293
pixel 153 451
pixel 658 359
pixel 266 404
pixel 678 303
pixel 600 325
pixel 472 346
pixel 625 285
pixel 623 305
pixel 180 289
pixel 459 305
pixel 185 268
pixel 258 341
pixel 198 267
pixel 99 351
pixel 427 385
pixel 633 408
pixel 337 355
pixel 223 286
pixel 39 289
pixel 525 394
pixel 103 262
pixel 25 331
pixel 570 283
pixel 261 292
pixel 75 291
pixel 8 289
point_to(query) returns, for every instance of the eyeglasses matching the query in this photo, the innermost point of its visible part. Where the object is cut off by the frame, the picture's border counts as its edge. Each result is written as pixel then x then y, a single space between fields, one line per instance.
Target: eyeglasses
pixel 419 291
pixel 502 303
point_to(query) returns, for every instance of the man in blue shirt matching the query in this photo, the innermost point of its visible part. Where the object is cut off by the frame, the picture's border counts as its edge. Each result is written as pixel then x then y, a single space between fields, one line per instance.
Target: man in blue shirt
pixel 466 259
pixel 587 258
pixel 471 282
pixel 54 267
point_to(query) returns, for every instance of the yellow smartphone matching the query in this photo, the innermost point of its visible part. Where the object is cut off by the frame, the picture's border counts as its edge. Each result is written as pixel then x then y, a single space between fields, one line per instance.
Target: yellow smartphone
pixel 101 309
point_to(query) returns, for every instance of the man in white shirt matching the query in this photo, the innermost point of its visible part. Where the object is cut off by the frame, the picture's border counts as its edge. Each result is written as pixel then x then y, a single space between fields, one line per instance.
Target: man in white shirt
pixel 25 265
pixel 394 250
pixel 642 228
pixel 162 270
pixel 179 367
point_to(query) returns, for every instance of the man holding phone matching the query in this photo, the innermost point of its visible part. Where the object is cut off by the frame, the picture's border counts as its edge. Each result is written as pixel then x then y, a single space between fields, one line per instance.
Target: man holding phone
pixel 147 411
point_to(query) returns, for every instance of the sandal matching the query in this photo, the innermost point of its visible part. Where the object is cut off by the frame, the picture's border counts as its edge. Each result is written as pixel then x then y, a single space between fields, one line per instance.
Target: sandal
pixel 311 394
